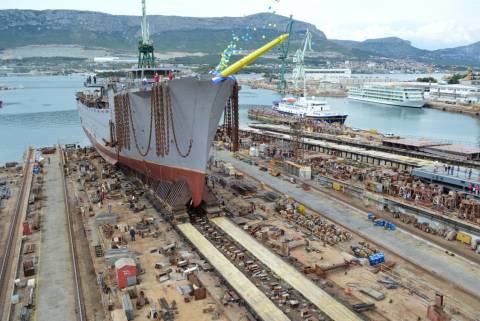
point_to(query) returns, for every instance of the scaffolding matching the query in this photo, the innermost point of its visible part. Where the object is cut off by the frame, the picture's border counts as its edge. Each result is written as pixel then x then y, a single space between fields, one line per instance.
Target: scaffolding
pixel 296 139
pixel 231 120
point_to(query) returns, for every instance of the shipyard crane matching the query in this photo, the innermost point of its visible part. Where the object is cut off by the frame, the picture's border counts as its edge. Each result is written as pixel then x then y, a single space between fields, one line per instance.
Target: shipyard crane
pixel 146 56
pixel 285 47
pixel 298 73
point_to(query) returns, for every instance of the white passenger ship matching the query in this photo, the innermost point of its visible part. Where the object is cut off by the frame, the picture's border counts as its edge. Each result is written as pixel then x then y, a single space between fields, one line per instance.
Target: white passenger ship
pixel 390 95
pixel 308 107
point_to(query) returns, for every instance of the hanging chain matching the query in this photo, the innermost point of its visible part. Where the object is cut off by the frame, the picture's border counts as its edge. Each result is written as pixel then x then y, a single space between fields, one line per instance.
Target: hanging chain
pixel 162 134
pixel 126 98
pixel 126 122
pixel 161 116
pixel 170 112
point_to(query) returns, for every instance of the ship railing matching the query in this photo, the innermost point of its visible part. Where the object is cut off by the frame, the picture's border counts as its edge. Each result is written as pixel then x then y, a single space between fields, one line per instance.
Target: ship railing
pixel 92 100
pixel 131 84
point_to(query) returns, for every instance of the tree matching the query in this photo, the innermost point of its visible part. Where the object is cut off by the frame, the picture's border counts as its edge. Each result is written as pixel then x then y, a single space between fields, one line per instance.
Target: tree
pixel 455 79
pixel 427 79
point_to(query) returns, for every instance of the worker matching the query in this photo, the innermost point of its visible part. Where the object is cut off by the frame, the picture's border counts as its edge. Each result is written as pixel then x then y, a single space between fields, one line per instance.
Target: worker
pixel 470 174
pixel 145 83
pixel 102 196
pixel 156 78
pixel 132 233
pixel 170 75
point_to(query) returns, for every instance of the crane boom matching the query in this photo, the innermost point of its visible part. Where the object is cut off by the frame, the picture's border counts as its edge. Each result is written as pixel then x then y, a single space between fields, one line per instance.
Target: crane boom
pixel 299 60
pixel 285 47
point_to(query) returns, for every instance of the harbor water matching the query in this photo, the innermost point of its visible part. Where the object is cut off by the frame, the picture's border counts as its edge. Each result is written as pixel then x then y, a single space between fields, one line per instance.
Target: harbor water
pixel 42 112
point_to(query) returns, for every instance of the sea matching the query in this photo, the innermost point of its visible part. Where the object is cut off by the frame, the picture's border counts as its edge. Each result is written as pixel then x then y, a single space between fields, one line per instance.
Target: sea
pixel 42 112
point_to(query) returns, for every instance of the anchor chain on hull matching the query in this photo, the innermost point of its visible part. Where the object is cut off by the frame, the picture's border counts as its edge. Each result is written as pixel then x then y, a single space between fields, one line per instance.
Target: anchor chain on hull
pixel 162 130
pixel 122 126
pixel 126 98
pixel 168 97
pixel 161 115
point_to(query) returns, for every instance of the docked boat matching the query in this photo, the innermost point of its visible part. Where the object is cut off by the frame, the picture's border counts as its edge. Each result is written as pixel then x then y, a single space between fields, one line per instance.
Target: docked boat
pixel 308 107
pixel 389 95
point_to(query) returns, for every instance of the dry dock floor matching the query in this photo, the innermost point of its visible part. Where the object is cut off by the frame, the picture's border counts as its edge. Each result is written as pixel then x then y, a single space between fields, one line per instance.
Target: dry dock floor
pixel 464 274
pixel 55 280
pixel 259 302
pixel 334 309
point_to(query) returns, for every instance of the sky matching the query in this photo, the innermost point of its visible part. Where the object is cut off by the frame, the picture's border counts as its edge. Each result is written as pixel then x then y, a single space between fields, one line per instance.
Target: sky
pixel 428 24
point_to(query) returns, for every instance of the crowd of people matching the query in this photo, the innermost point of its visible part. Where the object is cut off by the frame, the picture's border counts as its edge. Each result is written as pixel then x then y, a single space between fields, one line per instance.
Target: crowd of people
pixel 92 79
pixel 466 173
pixel 450 170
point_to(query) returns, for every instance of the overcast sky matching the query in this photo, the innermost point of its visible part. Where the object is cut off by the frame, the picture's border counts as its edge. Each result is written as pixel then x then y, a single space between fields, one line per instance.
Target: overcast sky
pixel 429 24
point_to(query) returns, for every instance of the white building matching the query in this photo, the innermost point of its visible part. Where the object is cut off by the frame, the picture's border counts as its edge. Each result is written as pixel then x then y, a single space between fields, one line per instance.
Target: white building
pixel 327 74
pixel 472 79
pixel 454 94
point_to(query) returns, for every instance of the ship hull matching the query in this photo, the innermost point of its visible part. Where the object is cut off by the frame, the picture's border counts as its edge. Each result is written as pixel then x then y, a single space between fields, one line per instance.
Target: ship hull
pixel 405 103
pixel 196 108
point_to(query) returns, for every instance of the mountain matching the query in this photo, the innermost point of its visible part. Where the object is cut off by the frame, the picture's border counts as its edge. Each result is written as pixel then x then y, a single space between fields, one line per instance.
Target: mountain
pixel 170 33
pixel 470 53
pixel 397 48
pixel 120 34
pixel 391 47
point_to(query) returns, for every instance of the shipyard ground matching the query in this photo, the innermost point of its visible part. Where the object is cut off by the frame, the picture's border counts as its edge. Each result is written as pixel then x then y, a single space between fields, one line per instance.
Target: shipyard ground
pixel 223 288
pixel 462 272
pixel 408 303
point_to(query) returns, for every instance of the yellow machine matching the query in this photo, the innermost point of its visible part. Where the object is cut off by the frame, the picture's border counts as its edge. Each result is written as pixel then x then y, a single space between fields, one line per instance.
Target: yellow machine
pixel 232 69
pixel 253 56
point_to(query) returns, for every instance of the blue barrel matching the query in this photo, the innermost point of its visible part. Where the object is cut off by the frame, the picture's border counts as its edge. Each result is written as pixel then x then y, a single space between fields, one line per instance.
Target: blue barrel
pixel 392 227
pixel 376 258
pixel 370 216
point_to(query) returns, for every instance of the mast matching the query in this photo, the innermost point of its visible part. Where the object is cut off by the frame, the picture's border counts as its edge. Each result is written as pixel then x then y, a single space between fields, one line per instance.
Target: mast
pixel 146 56
pixel 145 33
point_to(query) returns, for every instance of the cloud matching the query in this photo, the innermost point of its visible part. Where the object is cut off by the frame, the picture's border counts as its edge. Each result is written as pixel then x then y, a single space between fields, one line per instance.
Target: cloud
pixel 431 35
pixel 427 23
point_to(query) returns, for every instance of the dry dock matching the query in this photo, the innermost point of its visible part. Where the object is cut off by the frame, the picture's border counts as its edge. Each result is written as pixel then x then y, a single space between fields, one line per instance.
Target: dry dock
pixel 262 306
pixel 56 294
pixel 334 309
